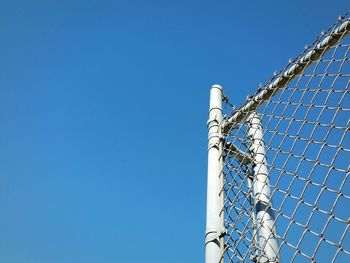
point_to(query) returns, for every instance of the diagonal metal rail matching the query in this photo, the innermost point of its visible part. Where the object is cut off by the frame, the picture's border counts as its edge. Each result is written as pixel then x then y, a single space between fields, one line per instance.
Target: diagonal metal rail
pixel 299 66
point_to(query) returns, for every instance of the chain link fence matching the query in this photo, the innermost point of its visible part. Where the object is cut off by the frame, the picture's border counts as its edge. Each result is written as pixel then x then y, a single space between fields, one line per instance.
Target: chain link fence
pixel 285 161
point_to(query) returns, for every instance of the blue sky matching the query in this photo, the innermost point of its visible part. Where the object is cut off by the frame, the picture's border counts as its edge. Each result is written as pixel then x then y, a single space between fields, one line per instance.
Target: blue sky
pixel 103 112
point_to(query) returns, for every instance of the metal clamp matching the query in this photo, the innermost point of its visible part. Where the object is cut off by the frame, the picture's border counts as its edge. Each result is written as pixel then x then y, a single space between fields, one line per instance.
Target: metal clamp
pixel 212 235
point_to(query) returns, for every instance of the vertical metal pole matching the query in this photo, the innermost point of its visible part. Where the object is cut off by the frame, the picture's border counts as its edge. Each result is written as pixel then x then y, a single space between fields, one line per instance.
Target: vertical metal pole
pixel 254 256
pixel 215 224
pixel 262 193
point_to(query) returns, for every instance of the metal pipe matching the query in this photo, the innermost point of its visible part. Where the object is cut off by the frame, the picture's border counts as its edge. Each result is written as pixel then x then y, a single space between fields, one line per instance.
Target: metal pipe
pixel 299 66
pixel 214 221
pixel 265 219
pixel 254 256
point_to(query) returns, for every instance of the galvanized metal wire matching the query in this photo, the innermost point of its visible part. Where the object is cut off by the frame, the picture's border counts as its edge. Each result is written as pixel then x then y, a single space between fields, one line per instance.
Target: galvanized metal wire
pixel 305 125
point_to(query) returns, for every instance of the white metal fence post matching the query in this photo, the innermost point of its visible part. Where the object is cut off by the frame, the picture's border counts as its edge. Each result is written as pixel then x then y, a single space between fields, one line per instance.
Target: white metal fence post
pixel 214 224
pixel 265 220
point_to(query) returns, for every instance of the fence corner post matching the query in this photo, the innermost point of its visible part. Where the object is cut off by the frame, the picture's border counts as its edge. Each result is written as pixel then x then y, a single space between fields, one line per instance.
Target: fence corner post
pixel 214 219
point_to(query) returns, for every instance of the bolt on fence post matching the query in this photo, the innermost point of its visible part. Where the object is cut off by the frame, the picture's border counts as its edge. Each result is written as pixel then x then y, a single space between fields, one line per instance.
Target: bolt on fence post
pixel 214 221
pixel 265 219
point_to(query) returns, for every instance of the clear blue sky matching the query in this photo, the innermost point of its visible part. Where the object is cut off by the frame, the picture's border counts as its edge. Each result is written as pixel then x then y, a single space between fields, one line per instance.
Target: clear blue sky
pixel 103 111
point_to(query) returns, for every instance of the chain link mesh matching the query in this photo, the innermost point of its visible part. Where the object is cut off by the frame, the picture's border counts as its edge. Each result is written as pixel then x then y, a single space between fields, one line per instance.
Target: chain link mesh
pixel 305 130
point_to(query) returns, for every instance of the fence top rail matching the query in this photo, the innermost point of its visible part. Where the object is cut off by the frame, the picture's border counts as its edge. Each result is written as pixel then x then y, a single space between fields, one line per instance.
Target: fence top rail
pixel 290 71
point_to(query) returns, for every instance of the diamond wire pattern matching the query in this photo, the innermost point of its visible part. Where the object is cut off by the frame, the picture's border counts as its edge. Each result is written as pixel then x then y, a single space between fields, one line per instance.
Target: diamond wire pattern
pixel 307 145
